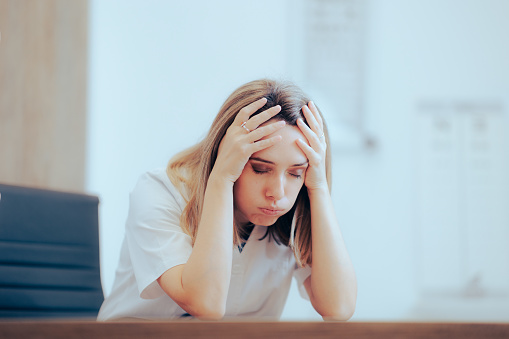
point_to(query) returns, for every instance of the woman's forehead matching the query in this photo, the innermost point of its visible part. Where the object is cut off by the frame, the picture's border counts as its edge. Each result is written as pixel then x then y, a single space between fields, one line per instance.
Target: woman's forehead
pixel 286 151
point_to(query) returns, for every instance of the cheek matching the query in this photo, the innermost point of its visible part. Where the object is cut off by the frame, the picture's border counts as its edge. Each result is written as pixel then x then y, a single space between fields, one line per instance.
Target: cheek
pixel 293 191
pixel 244 188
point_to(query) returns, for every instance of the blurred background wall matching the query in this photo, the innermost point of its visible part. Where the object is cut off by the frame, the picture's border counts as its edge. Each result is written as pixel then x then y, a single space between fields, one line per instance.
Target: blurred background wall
pixel 416 94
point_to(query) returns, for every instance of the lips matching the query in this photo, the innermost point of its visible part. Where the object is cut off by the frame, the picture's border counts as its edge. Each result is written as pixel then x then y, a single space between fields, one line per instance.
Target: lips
pixel 271 211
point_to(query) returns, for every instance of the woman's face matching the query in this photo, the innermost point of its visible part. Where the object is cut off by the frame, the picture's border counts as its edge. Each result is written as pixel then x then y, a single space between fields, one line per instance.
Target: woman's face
pixel 271 180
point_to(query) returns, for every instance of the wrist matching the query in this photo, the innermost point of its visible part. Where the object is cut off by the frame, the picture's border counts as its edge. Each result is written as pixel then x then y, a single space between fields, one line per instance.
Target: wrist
pixel 219 182
pixel 318 190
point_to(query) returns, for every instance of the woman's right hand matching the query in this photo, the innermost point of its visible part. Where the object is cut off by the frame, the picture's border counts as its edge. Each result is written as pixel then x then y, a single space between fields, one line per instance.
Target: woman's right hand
pixel 241 141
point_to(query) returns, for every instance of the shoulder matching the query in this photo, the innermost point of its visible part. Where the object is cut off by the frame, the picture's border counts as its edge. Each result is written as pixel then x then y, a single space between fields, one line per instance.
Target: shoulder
pixel 155 186
pixel 155 198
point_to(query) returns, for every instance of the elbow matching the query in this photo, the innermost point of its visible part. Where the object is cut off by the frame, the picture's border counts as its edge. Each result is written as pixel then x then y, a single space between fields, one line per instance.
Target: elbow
pixel 209 313
pixel 206 302
pixel 205 309
pixel 339 311
pixel 341 314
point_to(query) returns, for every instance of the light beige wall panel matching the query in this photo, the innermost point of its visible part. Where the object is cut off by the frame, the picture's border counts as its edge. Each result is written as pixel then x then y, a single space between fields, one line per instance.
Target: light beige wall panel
pixel 11 91
pixel 43 63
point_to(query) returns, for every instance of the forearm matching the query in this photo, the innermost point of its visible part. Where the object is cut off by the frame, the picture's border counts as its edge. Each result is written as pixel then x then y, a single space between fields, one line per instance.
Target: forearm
pixel 206 275
pixel 333 282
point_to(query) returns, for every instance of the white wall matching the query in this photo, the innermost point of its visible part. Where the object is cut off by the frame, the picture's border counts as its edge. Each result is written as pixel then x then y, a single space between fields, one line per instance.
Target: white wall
pixel 416 50
pixel 159 71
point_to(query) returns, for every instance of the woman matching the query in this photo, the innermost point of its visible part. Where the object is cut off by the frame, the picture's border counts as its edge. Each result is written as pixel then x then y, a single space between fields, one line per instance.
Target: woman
pixel 259 181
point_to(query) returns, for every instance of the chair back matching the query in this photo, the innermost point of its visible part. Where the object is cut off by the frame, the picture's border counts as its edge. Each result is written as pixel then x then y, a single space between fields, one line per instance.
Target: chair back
pixel 49 254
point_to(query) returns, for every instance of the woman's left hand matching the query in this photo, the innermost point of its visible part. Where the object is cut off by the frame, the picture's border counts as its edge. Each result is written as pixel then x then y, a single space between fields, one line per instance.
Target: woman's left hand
pixel 315 148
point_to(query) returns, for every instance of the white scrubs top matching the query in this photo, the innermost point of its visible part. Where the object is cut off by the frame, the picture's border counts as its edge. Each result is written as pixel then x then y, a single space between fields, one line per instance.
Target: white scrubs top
pixel 154 242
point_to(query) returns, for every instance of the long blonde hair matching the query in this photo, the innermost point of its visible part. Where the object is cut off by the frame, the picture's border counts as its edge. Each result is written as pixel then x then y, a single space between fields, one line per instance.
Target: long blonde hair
pixel 189 170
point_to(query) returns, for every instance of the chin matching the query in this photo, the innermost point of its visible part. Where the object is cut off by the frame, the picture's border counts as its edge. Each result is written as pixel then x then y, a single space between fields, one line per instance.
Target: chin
pixel 263 220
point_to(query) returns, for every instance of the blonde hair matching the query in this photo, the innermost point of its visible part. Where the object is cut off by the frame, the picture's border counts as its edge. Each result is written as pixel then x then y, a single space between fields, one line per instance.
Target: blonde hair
pixel 189 170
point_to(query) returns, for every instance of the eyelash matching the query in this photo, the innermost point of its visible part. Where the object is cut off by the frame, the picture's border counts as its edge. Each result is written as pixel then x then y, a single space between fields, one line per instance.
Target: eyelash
pixel 298 176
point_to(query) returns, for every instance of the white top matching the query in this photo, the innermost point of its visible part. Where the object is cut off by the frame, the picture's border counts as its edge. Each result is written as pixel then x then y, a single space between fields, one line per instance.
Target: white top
pixel 154 242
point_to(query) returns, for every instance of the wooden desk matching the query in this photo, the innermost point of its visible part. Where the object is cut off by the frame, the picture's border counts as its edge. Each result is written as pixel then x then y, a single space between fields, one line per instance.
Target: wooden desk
pixel 249 329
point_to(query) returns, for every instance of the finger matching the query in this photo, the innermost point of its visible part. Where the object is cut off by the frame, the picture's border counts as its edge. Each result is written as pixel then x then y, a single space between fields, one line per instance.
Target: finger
pixel 259 133
pixel 259 119
pixel 311 120
pixel 248 110
pixel 265 143
pixel 315 111
pixel 308 151
pixel 312 137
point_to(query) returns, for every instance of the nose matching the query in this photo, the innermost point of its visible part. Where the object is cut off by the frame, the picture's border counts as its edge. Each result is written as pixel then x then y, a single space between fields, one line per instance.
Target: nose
pixel 275 188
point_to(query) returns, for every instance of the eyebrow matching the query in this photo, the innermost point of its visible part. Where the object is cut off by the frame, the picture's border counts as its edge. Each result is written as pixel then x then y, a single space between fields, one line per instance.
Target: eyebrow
pixel 272 163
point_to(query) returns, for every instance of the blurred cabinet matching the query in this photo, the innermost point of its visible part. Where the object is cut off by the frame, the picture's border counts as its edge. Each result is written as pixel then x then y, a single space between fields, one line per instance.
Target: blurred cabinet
pixel 462 201
pixel 327 52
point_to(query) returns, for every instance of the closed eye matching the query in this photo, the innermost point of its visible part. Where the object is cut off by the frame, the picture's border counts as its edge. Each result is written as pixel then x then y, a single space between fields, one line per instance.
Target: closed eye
pixel 296 175
pixel 260 170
